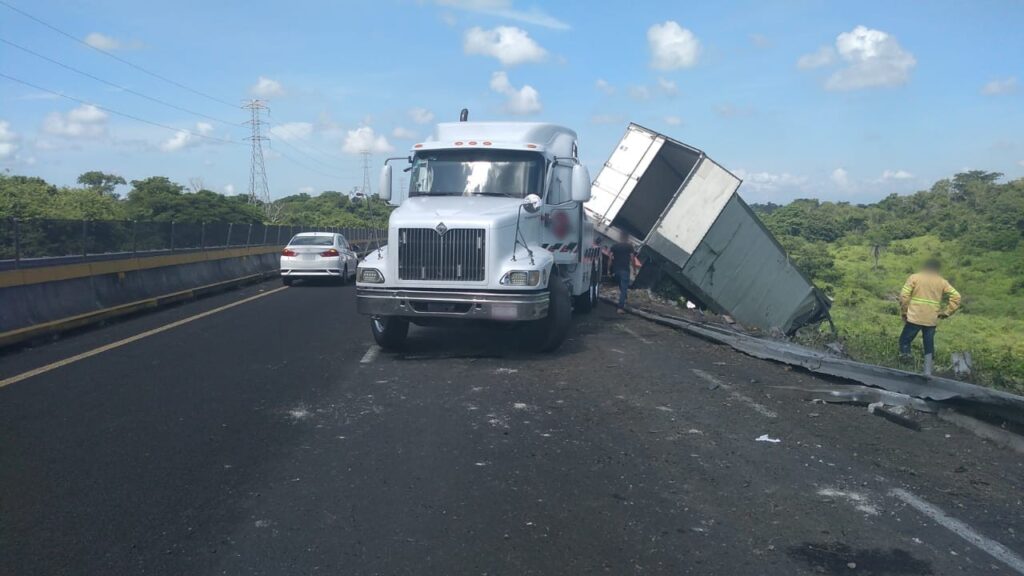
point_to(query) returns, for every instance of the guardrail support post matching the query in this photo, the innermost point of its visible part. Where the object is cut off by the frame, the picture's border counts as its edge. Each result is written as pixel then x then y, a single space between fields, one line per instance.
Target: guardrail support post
pixel 265 230
pixel 278 236
pixel 172 235
pixel 85 237
pixel 16 224
pixel 248 236
pixel 202 235
pixel 230 226
pixel 135 225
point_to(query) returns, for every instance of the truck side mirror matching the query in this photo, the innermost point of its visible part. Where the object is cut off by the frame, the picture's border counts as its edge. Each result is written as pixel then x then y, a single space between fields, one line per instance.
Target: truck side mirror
pixel 384 191
pixel 580 183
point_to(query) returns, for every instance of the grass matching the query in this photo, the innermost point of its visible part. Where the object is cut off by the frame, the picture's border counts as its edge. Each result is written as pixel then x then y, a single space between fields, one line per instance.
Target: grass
pixel 990 324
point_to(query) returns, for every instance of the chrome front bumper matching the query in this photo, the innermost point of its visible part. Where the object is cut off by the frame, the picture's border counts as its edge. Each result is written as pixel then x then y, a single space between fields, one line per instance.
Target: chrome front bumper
pixel 444 304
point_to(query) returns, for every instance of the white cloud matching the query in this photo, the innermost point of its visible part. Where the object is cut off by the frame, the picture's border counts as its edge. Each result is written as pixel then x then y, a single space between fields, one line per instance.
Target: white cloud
pixel 888 175
pixel 9 141
pixel 525 100
pixel 291 131
pixel 772 184
pixel 506 9
pixel 822 57
pixel 306 190
pixel 1020 163
pixel 229 189
pixel 639 93
pixel 363 139
pixel 181 140
pixel 840 177
pixel 109 43
pixel 672 46
pixel 510 45
pixel 760 41
pixel 673 120
pixel 403 133
pixel 421 115
pixel 185 139
pixel 266 88
pixel 996 87
pixel 604 86
pixel 85 121
pixel 873 59
pixel 668 86
pixel 728 110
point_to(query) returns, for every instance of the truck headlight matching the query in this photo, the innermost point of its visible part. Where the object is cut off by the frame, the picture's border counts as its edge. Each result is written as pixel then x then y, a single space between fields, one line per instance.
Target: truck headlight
pixel 521 278
pixel 370 276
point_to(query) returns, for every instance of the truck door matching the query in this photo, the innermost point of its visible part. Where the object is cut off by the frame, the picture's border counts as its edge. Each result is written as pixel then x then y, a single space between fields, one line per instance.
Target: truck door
pixel 560 218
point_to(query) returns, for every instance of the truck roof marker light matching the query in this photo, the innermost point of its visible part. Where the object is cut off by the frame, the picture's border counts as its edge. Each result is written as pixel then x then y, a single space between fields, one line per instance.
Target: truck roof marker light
pixel 472 142
pixel 459 143
pixel 487 142
pixel 418 146
pixel 531 145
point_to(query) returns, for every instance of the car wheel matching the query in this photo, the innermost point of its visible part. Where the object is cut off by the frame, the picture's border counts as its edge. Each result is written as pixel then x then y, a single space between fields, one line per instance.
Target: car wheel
pixel 343 279
pixel 389 332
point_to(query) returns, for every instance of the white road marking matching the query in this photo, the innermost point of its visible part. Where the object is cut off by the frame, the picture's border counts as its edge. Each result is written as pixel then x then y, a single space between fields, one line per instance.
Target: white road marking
pixel 859 501
pixel 759 408
pixel 130 339
pixel 370 355
pixel 993 548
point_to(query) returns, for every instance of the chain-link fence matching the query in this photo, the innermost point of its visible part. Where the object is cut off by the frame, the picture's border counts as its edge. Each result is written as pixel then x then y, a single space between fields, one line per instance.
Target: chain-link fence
pixel 31 243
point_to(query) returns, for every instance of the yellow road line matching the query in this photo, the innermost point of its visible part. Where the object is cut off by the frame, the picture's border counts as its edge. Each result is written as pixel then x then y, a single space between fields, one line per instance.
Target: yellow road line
pixel 130 339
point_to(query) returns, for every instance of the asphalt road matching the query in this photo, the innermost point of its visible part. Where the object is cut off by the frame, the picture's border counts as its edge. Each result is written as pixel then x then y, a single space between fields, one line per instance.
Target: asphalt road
pixel 272 438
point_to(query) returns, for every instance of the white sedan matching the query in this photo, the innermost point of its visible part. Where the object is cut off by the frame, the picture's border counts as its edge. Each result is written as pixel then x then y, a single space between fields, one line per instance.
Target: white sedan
pixel 318 255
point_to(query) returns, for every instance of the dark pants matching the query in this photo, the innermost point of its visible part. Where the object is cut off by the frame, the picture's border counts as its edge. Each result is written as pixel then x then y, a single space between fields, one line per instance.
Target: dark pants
pixel 910 332
pixel 623 277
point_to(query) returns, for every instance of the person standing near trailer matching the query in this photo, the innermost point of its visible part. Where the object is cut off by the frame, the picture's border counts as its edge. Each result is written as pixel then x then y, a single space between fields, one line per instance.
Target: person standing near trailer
pixel 921 304
pixel 623 257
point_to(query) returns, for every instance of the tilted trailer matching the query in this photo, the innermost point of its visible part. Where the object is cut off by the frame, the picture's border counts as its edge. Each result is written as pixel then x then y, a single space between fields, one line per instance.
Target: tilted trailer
pixel 683 210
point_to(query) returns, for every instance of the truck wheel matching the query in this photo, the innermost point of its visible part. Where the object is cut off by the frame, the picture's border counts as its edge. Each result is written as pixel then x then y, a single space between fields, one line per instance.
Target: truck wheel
pixel 547 335
pixel 587 301
pixel 389 332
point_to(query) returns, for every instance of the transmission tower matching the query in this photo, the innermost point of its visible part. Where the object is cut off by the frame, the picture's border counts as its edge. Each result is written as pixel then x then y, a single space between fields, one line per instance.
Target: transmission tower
pixel 259 191
pixel 366 172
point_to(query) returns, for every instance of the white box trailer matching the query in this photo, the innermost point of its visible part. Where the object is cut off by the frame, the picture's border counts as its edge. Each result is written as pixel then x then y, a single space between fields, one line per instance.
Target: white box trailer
pixel 683 210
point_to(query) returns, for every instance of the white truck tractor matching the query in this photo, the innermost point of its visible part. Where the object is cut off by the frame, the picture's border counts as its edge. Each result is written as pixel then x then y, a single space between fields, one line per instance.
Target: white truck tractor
pixel 492 229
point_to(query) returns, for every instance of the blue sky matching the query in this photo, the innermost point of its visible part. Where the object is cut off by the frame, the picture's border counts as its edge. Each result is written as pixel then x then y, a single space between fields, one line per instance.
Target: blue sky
pixel 846 101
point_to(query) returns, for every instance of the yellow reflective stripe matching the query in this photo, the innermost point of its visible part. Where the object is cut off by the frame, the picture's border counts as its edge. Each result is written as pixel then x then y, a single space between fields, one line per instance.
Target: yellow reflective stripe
pixel 953 292
pixel 925 301
pixel 907 289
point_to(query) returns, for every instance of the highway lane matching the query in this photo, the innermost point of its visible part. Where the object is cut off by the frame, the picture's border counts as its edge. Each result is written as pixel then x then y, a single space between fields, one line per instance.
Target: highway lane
pixel 257 440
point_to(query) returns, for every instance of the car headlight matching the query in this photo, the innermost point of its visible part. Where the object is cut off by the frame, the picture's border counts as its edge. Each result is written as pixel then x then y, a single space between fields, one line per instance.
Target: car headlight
pixel 521 278
pixel 370 276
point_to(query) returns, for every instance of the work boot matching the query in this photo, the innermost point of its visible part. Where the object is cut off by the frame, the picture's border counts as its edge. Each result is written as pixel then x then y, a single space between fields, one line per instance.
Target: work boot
pixel 927 364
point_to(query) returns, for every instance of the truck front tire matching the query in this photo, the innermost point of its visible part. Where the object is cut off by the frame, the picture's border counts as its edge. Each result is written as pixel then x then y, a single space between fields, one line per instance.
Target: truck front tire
pixel 547 335
pixel 587 301
pixel 389 332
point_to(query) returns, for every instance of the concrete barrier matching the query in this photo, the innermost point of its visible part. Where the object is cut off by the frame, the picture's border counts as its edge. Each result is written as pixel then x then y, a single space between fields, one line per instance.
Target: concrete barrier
pixel 37 301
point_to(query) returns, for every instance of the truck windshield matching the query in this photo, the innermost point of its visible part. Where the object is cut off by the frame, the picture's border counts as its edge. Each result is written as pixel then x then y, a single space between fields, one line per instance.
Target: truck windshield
pixel 476 172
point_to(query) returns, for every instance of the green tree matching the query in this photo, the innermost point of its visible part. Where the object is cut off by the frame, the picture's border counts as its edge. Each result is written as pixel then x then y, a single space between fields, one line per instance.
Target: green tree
pixel 101 182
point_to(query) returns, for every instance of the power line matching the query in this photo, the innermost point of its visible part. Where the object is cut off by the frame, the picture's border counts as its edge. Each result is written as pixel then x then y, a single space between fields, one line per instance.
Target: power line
pixel 118 86
pixel 307 167
pixel 117 112
pixel 115 57
pixel 299 150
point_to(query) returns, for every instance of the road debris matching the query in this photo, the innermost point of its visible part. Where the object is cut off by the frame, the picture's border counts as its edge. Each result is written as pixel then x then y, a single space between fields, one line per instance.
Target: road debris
pixel 766 438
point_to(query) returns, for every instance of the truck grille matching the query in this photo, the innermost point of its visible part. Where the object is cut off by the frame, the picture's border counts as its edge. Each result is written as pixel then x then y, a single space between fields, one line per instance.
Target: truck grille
pixel 456 255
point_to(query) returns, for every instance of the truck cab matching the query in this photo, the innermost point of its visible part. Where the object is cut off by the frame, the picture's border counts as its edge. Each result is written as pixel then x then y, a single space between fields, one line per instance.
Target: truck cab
pixel 491 228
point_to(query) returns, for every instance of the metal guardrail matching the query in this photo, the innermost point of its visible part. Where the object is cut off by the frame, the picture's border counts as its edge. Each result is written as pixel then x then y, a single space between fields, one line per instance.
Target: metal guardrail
pixel 34 243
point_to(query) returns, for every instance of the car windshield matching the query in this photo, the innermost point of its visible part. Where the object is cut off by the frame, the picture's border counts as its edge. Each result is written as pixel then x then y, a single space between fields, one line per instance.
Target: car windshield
pixel 312 241
pixel 476 172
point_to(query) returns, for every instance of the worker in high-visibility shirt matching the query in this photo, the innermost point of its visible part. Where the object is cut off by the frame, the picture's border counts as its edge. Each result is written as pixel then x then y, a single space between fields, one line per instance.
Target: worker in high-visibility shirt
pixel 925 298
